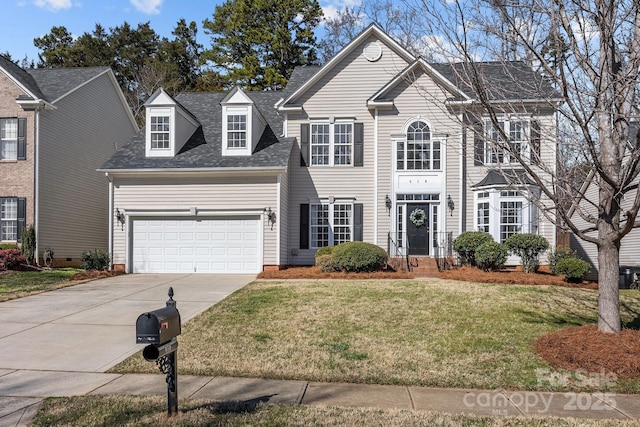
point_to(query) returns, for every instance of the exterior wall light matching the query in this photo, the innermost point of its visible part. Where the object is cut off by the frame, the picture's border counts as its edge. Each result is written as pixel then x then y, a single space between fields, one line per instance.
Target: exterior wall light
pixel 271 216
pixel 387 203
pixel 120 217
pixel 450 204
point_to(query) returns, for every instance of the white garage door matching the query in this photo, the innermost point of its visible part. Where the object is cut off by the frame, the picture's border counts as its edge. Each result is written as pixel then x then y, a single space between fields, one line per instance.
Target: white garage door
pixel 220 245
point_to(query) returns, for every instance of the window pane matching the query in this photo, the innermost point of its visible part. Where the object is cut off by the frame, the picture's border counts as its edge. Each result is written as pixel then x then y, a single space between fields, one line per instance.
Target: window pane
pixel 510 219
pixel 236 131
pixel 9 219
pixel 160 132
pixel 341 223
pixel 418 146
pixel 319 225
pixel 319 144
pixel 342 139
pixel 9 139
pixel 483 217
pixel 400 155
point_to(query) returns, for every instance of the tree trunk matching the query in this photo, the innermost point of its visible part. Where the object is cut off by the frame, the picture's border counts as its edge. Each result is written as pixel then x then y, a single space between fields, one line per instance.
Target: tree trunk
pixel 608 294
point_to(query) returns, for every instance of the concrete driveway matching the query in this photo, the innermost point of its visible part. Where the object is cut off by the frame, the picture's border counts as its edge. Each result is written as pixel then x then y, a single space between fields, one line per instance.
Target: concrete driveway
pixel 91 327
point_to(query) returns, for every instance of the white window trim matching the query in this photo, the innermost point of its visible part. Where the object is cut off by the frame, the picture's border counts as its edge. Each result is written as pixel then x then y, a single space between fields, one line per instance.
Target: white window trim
pixel 12 219
pixel 495 200
pixel 332 224
pixel 161 112
pixel 237 110
pixel 14 141
pixel 489 146
pixel 405 140
pixel 332 124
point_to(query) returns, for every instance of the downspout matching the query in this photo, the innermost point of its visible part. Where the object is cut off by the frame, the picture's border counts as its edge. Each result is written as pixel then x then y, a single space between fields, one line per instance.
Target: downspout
pixel 110 221
pixel 278 219
pixel 375 178
pixel 463 178
pixel 36 183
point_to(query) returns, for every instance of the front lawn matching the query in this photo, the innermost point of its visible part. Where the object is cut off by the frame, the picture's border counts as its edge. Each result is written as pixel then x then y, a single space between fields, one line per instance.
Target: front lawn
pixel 18 284
pixel 438 333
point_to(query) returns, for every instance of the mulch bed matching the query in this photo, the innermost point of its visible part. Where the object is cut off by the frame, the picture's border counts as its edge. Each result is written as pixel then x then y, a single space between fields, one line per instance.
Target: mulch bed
pixel 95 274
pixel 585 348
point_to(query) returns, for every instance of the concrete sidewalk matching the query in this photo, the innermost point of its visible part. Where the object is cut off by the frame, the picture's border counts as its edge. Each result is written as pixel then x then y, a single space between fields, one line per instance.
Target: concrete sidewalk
pixel 23 390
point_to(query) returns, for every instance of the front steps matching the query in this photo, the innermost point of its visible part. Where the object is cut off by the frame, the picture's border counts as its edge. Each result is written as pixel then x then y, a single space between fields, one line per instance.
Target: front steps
pixel 420 266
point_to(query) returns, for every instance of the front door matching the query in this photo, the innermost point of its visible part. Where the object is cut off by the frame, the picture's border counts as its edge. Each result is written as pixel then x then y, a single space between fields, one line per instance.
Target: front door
pixel 418 229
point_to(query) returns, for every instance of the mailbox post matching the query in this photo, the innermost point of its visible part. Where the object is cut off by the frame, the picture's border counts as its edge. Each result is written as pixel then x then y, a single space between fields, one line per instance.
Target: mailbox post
pixel 159 329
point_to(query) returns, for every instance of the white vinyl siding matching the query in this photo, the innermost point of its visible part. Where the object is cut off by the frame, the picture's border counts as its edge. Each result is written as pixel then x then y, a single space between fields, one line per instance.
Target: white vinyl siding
pixel 210 196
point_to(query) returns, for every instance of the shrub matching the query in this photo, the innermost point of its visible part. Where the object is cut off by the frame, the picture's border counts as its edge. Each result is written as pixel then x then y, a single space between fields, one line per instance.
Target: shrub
pixel 97 260
pixel 467 243
pixel 359 257
pixel 9 246
pixel 325 250
pixel 326 263
pixel 29 243
pixel 574 269
pixel 12 259
pixel 491 255
pixel 528 247
pixel 560 254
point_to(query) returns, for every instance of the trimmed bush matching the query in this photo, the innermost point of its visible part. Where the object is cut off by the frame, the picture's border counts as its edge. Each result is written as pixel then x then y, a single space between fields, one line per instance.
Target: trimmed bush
pixel 326 250
pixel 467 243
pixel 97 260
pixel 29 243
pixel 574 269
pixel 359 257
pixel 491 255
pixel 559 254
pixel 9 246
pixel 528 247
pixel 12 259
pixel 326 263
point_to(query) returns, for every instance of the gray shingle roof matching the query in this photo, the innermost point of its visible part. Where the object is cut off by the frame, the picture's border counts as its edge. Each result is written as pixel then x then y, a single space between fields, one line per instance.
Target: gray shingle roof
pixel 20 75
pixel 56 82
pixel 505 178
pixel 204 148
pixel 49 84
pixel 500 80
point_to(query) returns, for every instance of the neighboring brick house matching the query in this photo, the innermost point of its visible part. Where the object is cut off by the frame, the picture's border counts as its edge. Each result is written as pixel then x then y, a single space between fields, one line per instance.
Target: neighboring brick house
pixel 376 145
pixel 57 126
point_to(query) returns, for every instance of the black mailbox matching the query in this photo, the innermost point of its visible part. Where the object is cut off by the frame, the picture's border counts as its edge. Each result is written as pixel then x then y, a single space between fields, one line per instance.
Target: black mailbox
pixel 158 326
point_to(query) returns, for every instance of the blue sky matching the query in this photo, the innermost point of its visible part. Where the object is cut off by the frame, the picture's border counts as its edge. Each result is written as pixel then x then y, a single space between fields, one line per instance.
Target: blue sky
pixel 25 20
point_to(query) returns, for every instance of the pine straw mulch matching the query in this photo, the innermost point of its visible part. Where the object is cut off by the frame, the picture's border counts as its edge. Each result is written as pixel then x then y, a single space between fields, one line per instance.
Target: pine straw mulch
pixel 95 274
pixel 585 348
pixel 582 349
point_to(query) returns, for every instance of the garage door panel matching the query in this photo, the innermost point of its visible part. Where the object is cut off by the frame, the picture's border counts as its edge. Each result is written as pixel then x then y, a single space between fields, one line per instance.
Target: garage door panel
pixel 187 245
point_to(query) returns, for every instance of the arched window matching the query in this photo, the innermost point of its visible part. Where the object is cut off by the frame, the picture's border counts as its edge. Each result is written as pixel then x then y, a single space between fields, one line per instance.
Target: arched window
pixel 418 152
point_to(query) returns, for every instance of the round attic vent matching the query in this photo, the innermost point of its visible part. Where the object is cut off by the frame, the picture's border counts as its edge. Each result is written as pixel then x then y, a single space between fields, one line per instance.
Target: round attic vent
pixel 372 51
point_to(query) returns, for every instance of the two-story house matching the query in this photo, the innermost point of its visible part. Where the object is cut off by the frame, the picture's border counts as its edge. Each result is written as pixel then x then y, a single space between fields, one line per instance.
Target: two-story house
pixel 376 145
pixel 57 126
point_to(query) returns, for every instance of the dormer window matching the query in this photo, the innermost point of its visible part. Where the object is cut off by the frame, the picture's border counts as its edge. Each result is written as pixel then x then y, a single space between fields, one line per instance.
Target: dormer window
pixel 160 132
pixel 242 124
pixel 237 131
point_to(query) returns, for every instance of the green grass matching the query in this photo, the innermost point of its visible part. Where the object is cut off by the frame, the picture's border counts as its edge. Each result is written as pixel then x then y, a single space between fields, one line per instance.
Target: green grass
pixel 409 332
pixel 150 411
pixel 20 284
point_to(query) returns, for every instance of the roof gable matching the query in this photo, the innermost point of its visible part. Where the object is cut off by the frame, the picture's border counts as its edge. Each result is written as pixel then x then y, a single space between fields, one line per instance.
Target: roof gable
pixel 371 30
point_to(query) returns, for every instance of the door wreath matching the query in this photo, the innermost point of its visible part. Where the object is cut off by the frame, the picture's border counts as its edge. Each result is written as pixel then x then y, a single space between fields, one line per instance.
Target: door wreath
pixel 418 217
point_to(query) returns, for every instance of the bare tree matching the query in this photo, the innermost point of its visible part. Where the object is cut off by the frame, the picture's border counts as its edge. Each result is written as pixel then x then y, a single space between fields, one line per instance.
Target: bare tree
pixel 590 53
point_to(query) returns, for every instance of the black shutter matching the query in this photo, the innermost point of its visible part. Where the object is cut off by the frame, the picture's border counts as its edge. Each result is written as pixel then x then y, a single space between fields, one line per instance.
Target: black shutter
pixel 357 222
pixel 304 144
pixel 22 216
pixel 358 144
pixel 478 144
pixel 535 142
pixel 22 139
pixel 304 226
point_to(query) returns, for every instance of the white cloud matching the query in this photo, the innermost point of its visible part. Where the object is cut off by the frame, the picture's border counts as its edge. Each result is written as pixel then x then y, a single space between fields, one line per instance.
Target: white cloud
pixel 150 7
pixel 332 8
pixel 53 4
